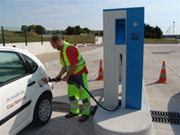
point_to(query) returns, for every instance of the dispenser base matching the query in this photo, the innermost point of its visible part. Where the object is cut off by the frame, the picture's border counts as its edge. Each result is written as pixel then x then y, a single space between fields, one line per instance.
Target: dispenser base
pixel 124 121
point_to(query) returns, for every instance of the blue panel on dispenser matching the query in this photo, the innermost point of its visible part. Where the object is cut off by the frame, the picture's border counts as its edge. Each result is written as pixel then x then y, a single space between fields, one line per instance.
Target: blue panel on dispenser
pixel 120 31
pixel 134 52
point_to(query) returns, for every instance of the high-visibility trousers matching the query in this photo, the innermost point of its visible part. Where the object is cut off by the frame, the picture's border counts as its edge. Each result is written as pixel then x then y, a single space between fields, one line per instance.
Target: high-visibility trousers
pixel 75 91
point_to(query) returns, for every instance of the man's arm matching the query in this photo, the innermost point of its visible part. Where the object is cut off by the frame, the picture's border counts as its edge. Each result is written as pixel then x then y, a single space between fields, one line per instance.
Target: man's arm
pixel 63 70
pixel 71 71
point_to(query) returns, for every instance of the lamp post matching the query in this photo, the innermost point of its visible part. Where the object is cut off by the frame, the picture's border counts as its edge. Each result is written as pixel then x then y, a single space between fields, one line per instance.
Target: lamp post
pixel 173 26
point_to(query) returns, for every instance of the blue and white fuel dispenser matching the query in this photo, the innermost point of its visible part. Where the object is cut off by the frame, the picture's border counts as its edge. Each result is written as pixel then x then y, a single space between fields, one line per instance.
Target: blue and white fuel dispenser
pixel 123 75
pixel 123 57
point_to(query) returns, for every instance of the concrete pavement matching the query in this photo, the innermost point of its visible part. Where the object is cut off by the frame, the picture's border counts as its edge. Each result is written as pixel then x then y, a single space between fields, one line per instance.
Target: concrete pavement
pixel 58 124
pixel 162 97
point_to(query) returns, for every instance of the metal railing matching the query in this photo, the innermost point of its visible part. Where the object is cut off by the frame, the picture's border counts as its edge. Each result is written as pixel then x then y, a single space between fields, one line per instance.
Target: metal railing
pixel 14 35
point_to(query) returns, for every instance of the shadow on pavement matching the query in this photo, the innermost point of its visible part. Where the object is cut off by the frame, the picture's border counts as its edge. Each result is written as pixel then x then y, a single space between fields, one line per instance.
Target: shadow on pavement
pixel 163 52
pixel 61 126
pixel 154 83
pixel 174 106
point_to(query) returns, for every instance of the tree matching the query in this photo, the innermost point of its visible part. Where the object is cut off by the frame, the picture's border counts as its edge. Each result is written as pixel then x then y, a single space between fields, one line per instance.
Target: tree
pixel 70 30
pixel 32 28
pixel 101 33
pixel 86 30
pixel 148 28
pixel 158 32
pixel 147 35
pixel 77 30
pixel 39 29
pixel 151 32
pixel 96 34
pixel 24 28
pixel 58 32
pixel 154 35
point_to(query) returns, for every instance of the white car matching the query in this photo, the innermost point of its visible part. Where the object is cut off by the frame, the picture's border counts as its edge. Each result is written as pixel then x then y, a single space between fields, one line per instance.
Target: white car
pixel 25 93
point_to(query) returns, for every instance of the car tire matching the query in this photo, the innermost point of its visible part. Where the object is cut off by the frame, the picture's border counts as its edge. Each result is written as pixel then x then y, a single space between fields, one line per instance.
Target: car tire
pixel 43 111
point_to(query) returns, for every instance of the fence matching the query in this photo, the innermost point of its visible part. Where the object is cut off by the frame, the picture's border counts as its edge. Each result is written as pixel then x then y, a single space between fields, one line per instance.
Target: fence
pixel 14 35
pixel 36 43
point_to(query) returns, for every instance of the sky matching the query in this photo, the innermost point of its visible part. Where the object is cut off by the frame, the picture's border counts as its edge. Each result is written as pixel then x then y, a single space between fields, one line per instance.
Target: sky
pixel 59 14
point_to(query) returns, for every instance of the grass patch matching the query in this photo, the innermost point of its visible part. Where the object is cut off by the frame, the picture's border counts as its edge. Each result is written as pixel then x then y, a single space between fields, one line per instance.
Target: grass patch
pixel 79 38
pixel 161 41
pixel 18 36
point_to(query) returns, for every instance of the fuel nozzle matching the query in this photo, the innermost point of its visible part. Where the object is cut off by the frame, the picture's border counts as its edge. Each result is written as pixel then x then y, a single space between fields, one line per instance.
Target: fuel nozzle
pixel 54 79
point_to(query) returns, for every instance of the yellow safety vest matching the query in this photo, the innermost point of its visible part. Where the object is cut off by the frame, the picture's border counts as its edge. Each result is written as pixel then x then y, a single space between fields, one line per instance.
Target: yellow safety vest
pixel 80 65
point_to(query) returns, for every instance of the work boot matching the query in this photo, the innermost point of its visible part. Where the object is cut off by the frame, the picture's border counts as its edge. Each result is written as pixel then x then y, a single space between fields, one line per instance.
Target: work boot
pixel 83 118
pixel 70 115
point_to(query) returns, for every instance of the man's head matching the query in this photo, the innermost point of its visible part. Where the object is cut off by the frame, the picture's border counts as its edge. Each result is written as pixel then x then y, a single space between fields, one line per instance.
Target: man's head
pixel 56 42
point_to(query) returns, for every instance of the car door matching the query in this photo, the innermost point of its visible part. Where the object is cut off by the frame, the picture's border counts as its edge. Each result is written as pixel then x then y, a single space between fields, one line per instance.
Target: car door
pixel 16 84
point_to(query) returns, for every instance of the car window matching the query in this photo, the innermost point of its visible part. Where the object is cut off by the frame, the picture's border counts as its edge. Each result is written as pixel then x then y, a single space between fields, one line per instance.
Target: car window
pixel 11 67
pixel 33 66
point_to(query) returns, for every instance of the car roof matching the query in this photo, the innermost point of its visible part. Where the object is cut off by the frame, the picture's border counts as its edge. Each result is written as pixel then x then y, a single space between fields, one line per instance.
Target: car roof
pixel 13 49
pixel 22 51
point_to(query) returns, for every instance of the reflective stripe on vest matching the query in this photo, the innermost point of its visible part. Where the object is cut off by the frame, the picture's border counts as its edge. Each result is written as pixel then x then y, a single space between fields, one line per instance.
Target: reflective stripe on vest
pixel 80 65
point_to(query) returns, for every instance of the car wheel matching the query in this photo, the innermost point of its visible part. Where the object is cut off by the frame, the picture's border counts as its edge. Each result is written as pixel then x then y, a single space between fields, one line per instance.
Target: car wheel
pixel 43 110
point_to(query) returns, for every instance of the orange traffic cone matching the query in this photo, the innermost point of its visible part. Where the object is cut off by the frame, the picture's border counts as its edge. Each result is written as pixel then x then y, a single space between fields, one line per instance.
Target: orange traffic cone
pixel 162 78
pixel 100 76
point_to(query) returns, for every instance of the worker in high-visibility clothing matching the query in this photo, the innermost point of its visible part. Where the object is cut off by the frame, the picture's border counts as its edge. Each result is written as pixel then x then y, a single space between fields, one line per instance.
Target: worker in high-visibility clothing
pixel 75 66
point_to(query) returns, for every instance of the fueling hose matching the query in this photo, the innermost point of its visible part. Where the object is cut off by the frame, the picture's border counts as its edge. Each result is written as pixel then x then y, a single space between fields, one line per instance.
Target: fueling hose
pixel 76 81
